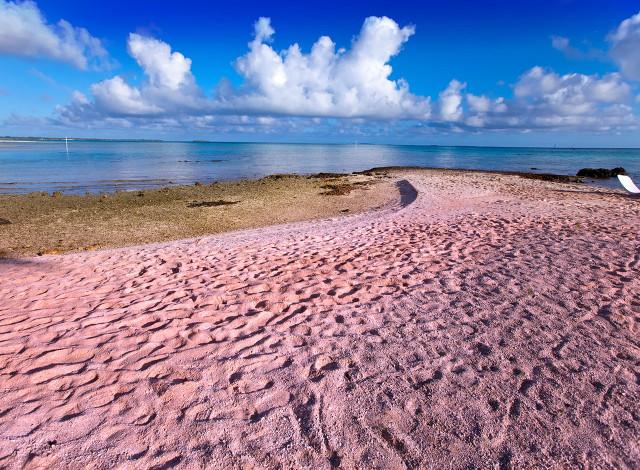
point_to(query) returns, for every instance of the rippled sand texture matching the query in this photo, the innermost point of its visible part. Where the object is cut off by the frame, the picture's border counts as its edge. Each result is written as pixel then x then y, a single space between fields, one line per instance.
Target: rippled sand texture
pixel 492 321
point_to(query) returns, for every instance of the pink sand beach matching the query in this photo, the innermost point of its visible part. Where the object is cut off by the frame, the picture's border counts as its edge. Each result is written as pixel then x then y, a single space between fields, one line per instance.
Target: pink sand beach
pixel 481 321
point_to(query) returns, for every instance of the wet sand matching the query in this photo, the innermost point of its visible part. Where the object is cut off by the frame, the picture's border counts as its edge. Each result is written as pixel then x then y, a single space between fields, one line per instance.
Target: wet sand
pixel 479 321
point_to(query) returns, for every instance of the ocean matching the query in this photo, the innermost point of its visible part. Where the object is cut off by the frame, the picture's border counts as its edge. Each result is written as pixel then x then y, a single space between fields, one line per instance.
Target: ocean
pixel 104 166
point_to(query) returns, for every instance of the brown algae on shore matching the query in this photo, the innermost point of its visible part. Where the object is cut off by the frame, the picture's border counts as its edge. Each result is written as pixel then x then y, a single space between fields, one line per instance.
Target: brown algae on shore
pixel 41 223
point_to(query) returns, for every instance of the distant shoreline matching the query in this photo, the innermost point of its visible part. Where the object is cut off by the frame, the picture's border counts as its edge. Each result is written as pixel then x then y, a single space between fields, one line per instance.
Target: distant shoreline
pixel 70 139
pixel 31 139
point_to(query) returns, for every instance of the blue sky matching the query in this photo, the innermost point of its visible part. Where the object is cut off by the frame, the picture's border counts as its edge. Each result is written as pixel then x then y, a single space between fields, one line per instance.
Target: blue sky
pixel 487 73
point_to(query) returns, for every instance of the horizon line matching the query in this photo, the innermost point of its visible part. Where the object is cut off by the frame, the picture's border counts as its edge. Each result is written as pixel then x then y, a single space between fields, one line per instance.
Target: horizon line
pixel 26 139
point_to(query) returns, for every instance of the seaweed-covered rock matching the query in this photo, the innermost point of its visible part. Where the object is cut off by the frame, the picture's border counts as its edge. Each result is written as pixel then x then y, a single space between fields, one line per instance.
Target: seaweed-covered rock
pixel 601 172
pixel 549 177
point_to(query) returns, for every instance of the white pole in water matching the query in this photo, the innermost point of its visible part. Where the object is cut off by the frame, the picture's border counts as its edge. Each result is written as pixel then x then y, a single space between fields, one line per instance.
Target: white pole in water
pixel 66 144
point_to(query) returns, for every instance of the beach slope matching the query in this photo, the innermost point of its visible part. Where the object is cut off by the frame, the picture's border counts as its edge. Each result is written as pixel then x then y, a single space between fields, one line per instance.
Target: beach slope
pixel 482 320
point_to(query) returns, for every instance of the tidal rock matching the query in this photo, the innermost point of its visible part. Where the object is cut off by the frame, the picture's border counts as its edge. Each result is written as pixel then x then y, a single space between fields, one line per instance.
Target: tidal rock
pixel 601 172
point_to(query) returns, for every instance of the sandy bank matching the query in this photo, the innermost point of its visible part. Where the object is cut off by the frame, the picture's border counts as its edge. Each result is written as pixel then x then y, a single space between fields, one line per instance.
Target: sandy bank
pixel 492 322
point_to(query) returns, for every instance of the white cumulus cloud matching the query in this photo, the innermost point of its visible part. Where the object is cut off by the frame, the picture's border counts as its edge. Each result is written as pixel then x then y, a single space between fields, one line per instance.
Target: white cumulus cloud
pixel 169 86
pixel 25 32
pixel 625 47
pixel 573 89
pixel 545 99
pixel 326 81
pixel 115 96
pixel 164 68
pixel 450 102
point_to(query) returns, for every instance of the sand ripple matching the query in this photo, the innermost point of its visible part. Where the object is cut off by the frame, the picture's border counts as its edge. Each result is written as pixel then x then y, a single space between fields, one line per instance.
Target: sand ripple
pixel 494 327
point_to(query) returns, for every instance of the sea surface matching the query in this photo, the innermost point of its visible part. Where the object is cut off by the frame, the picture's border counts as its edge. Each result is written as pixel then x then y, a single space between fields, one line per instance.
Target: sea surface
pixel 99 166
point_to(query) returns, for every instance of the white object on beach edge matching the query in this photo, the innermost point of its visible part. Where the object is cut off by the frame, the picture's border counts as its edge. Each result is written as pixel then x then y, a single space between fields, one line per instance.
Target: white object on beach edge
pixel 628 184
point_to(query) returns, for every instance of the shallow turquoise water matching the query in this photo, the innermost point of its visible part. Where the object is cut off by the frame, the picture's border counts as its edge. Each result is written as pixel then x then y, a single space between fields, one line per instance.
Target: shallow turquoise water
pixel 118 165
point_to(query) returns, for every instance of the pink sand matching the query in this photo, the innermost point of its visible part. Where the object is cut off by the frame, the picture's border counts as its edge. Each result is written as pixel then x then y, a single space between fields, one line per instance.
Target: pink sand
pixel 492 322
